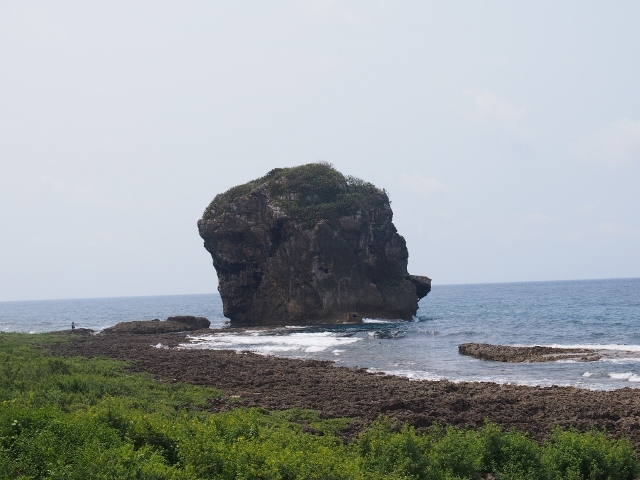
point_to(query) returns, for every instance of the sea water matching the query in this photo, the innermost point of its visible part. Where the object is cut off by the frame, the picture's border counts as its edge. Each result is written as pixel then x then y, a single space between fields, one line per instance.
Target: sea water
pixel 601 314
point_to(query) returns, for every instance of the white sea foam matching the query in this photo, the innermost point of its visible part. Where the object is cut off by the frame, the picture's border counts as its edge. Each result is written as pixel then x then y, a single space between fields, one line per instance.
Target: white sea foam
pixel 541 382
pixel 628 376
pixel 316 348
pixel 625 360
pixel 406 362
pixel 621 376
pixel 422 375
pixel 410 374
pixel 616 347
pixel 376 320
pixel 595 374
pixel 258 342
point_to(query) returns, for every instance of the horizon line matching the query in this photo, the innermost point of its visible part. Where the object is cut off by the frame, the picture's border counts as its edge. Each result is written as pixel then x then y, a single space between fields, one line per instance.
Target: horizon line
pixel 217 293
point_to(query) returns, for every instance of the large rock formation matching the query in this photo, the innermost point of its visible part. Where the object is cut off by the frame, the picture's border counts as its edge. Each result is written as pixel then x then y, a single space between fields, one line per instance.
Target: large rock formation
pixel 307 245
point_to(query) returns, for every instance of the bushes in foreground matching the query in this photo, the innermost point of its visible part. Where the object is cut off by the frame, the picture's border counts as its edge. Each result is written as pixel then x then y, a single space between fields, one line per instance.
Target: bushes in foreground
pixel 450 453
pixel 89 419
pixel 109 441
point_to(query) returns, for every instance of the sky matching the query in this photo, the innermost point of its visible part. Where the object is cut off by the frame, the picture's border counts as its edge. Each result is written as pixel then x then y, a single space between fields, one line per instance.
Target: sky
pixel 506 133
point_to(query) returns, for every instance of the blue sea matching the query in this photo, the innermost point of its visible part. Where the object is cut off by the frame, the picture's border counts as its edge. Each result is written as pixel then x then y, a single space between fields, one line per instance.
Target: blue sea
pixel 602 314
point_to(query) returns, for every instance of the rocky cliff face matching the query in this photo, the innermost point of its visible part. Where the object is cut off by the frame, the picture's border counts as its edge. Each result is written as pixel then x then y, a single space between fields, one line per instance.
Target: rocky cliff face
pixel 306 245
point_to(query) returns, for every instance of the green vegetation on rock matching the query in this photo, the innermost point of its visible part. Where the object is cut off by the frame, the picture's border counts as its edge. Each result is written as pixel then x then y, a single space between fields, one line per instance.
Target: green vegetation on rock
pixel 307 193
pixel 77 418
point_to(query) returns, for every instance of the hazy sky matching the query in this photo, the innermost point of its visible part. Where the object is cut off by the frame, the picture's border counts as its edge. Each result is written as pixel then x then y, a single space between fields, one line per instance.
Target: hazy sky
pixel 506 133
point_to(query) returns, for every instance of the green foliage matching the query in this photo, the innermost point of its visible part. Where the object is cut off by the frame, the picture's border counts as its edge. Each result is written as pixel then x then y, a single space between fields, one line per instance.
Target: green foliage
pixel 395 454
pixel 590 455
pixel 308 193
pixel 253 444
pixel 450 453
pixel 311 418
pixel 81 419
pixel 73 383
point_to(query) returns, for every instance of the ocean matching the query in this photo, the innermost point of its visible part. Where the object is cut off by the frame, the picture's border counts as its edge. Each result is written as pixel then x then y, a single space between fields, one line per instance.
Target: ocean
pixel 602 314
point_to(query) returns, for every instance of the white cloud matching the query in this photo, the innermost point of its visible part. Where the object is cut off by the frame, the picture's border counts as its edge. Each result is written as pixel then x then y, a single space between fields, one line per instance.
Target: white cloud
pixel 617 143
pixel 422 185
pixel 486 109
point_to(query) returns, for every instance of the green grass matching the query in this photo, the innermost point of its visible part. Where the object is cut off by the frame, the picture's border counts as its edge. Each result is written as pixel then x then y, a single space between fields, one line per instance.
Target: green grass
pixel 308 193
pixel 90 419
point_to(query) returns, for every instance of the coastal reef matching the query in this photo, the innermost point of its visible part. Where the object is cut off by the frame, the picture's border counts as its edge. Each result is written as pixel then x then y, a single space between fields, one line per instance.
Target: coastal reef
pixel 308 245
pixel 505 353
pixel 179 323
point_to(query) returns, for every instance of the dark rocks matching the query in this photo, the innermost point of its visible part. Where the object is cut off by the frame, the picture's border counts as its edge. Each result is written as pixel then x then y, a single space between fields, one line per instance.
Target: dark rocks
pixel 503 353
pixel 423 284
pixel 193 323
pixel 307 245
pixel 172 324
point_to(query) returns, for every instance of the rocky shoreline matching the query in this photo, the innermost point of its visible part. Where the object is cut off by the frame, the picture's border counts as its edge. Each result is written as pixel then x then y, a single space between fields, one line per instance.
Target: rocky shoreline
pixel 278 383
pixel 504 353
